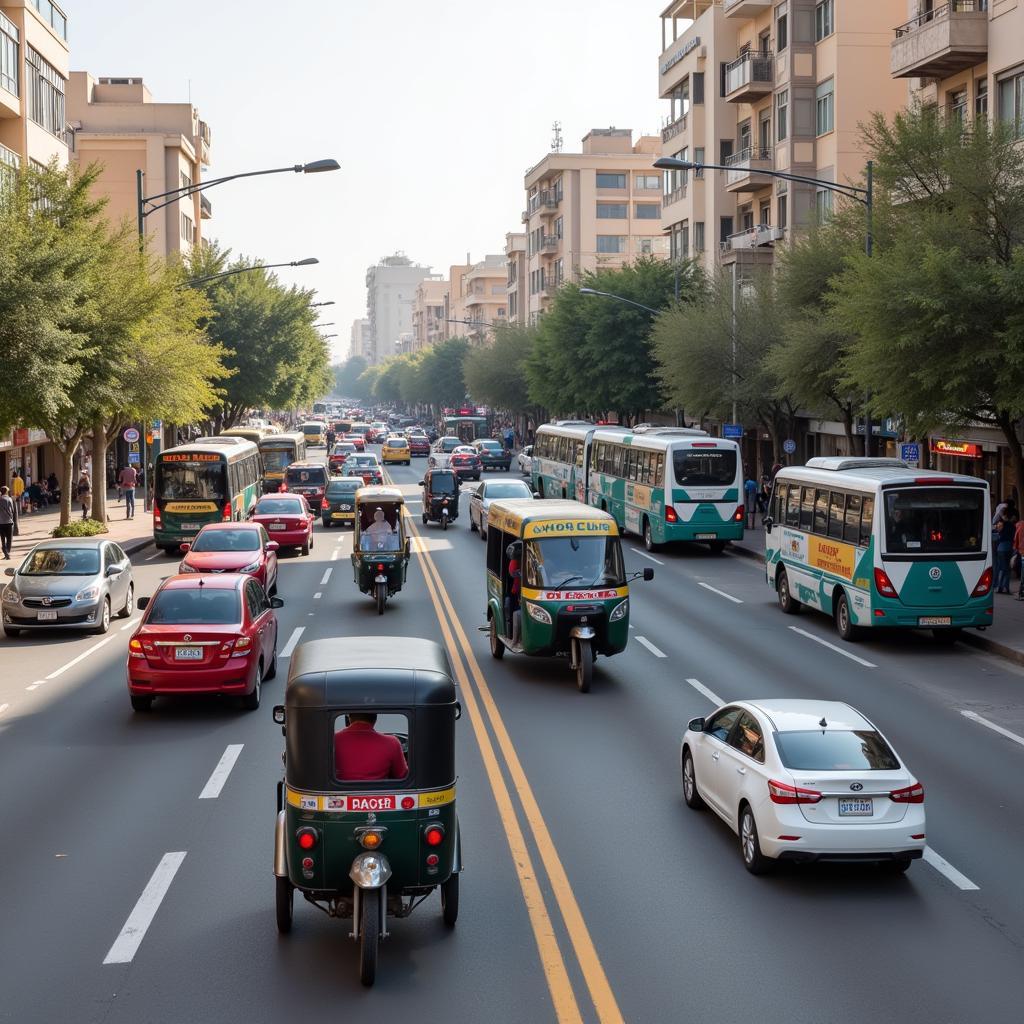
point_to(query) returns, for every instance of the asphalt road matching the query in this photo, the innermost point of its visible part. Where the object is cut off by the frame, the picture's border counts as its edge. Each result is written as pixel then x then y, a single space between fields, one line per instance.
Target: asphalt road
pixel 590 892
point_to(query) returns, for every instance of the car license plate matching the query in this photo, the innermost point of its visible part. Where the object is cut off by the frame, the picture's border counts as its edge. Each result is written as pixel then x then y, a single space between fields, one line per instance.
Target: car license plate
pixel 706 536
pixel 188 653
pixel 50 616
pixel 339 515
pixel 278 526
pixel 935 620
pixel 856 807
pixel 192 527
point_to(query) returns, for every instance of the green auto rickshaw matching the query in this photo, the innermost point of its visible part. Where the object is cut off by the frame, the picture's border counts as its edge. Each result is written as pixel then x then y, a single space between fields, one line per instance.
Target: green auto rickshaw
pixel 380 548
pixel 366 821
pixel 556 583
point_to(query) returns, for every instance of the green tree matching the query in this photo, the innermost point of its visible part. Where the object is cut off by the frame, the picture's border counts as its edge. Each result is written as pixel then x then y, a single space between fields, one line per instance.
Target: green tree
pixel 346 377
pixel 387 386
pixel 441 373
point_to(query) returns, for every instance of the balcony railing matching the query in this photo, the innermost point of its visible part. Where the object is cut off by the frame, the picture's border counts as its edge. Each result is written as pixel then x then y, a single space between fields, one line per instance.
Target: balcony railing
pixel 549 243
pixel 674 196
pixel 204 132
pixel 205 207
pixel 754 238
pixel 750 76
pixel 743 167
pixel 674 128
pixel 941 42
pixel 9 160
pixel 546 199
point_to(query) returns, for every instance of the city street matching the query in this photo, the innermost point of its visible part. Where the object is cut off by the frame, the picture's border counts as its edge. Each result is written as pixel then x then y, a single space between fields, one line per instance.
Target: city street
pixel 590 891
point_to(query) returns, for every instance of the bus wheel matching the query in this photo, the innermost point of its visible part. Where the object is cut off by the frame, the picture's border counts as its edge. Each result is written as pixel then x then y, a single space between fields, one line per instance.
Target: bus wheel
pixel 844 624
pixel 717 546
pixel 648 539
pixel 946 637
pixel 789 604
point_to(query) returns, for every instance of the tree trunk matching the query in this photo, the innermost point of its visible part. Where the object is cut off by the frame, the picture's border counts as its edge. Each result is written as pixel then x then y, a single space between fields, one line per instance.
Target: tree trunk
pixel 67 491
pixel 99 470
pixel 1008 425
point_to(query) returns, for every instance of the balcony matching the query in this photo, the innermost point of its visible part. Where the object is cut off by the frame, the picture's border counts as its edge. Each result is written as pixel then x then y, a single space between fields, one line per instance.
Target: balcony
pixel 9 161
pixel 743 167
pixel 673 128
pixel 746 8
pixel 754 238
pixel 674 196
pixel 205 207
pixel 941 42
pixel 544 201
pixel 750 77
pixel 549 243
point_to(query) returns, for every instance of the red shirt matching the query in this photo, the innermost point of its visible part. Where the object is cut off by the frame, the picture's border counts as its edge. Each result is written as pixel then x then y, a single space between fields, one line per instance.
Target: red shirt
pixel 361 753
pixel 514 573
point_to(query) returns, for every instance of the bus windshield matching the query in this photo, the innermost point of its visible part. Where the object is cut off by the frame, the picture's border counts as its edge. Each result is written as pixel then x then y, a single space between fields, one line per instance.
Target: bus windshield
pixel 704 467
pixel 202 481
pixel 934 520
pixel 573 562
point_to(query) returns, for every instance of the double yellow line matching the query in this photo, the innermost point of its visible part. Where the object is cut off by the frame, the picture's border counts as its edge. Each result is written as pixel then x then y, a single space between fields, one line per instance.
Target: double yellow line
pixel 476 695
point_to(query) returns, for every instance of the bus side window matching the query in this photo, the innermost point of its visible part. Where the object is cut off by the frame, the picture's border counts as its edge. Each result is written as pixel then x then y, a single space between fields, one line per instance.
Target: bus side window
pixel 821 512
pixel 579 454
pixel 836 507
pixel 617 468
pixel 807 509
pixel 851 532
pixel 777 506
pixel 867 514
pixel 793 506
pixel 660 472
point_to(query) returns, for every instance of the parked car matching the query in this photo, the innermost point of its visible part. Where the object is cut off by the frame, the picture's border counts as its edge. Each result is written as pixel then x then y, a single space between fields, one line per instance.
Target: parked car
pixel 492 454
pixel 287 519
pixel 488 491
pixel 233 547
pixel 204 634
pixel 339 504
pixel 69 583
pixel 466 463
pixel 524 460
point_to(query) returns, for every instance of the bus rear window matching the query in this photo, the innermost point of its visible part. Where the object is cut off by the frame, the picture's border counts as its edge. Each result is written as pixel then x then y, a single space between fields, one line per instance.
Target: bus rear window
pixel 704 467
pixel 934 520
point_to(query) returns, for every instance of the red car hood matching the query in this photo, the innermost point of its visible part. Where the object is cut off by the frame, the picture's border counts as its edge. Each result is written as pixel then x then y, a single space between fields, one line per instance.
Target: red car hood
pixel 221 561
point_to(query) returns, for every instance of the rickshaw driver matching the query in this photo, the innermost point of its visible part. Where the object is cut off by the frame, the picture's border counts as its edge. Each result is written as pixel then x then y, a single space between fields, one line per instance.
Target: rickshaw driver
pixel 380 534
pixel 514 553
pixel 361 754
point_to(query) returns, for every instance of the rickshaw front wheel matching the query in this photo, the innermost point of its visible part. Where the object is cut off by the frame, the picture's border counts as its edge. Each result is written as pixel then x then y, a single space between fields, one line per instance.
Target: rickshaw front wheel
pixel 497 647
pixel 369 934
pixel 450 900
pixel 584 665
pixel 382 597
pixel 285 901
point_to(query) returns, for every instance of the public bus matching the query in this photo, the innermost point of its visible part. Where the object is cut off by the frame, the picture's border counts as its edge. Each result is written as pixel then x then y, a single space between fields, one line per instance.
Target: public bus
pixel 254 434
pixel 279 451
pixel 667 484
pixel 877 543
pixel 211 481
pixel 559 459
pixel 315 433
pixel 467 427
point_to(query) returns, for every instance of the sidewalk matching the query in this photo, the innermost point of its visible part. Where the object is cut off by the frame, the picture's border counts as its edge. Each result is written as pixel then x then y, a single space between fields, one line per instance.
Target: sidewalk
pixel 1004 637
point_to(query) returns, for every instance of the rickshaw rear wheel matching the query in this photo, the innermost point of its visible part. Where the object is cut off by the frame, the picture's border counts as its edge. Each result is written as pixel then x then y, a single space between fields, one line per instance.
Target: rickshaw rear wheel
pixel 497 647
pixel 450 900
pixel 285 902
pixel 424 518
pixel 369 934
pixel 584 665
pixel 382 597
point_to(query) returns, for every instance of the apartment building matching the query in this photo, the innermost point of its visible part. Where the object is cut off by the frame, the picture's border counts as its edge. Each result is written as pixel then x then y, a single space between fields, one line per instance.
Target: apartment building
pixel 758 85
pixel 118 124
pixel 359 338
pixel 483 299
pixel 390 295
pixel 590 210
pixel 428 312
pixel 516 276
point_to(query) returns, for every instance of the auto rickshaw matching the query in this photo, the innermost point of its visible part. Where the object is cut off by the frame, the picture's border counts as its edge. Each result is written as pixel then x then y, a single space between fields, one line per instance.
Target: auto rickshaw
pixel 440 497
pixel 380 548
pixel 361 849
pixel 556 583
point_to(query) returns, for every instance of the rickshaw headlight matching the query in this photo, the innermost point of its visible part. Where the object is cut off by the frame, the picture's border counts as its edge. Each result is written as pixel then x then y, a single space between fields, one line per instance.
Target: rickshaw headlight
pixel 307 838
pixel 537 613
pixel 619 611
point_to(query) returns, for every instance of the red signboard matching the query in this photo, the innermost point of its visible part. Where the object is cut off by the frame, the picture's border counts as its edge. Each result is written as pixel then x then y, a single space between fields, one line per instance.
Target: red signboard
pixel 20 436
pixel 962 449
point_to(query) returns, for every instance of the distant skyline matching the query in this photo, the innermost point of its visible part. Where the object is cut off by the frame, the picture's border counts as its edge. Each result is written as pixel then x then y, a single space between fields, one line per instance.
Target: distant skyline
pixel 433 110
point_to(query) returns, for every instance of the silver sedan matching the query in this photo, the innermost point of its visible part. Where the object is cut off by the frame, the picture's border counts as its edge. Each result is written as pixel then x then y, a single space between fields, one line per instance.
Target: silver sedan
pixel 69 583
pixel 488 491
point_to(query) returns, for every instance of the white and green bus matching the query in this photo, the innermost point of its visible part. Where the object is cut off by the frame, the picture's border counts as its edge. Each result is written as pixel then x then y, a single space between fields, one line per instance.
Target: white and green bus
pixel 668 484
pixel 211 480
pixel 877 543
pixel 559 459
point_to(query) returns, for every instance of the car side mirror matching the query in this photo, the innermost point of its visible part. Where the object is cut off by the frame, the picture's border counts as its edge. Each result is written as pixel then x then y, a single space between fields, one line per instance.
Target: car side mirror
pixel 648 574
pixel 185 548
pixel 278 714
pixel 536 494
pixel 423 483
pixel 111 570
pixel 696 725
pixel 272 545
pixel 142 603
pixel 9 572
pixel 277 602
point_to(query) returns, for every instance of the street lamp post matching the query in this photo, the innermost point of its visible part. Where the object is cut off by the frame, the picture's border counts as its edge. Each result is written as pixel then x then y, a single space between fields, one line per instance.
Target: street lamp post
pixel 620 298
pixel 313 305
pixel 861 194
pixel 308 262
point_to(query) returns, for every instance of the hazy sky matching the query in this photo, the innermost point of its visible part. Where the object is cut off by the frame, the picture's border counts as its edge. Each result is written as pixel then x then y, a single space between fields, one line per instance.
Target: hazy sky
pixel 434 108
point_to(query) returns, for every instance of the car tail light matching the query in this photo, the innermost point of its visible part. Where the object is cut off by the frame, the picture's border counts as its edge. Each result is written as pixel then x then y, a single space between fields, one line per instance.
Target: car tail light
pixel 325 504
pixel 883 584
pixel 739 514
pixel 226 514
pixel 307 838
pixel 135 649
pixel 434 835
pixel 783 793
pixel 908 795
pixel 984 585
pixel 670 515
pixel 789 839
pixel 157 520
pixel 243 643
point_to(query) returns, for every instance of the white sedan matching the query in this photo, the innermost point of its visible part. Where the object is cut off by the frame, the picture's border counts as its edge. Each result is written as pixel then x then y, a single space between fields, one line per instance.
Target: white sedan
pixel 524 460
pixel 804 780
pixel 488 491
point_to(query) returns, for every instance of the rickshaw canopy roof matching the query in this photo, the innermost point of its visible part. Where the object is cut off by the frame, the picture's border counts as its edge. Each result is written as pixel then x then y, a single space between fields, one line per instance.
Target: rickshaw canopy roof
pixel 380 495
pixel 549 517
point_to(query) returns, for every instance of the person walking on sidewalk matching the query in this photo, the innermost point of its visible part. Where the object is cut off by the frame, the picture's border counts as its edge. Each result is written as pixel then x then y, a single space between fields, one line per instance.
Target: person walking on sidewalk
pixel 84 493
pixel 1018 547
pixel 8 514
pixel 127 481
pixel 1003 536
pixel 750 493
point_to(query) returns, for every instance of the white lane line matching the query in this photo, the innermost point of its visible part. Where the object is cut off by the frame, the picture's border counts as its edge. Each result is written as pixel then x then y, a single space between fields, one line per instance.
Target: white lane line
pixel 156 554
pixel 334 554
pixel 654 650
pixel 74 661
pixel 130 625
pixel 961 881
pixel 832 647
pixel 650 558
pixel 701 688
pixel 317 595
pixel 975 717
pixel 3 708
pixel 216 781
pixel 292 641
pixel 126 945
pixel 720 593
pixel 326 577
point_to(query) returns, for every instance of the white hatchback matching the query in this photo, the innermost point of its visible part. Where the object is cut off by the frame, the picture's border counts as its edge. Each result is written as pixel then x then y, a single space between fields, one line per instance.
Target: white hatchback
pixel 804 780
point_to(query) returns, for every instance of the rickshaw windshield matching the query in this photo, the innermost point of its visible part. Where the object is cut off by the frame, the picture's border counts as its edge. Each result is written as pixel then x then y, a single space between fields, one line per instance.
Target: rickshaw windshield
pixel 380 527
pixel 370 748
pixel 558 563
pixel 443 483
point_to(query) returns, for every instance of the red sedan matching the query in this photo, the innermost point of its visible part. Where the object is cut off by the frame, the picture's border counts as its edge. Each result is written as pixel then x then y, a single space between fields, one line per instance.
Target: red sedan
pixel 418 444
pixel 233 547
pixel 359 440
pixel 465 463
pixel 204 634
pixel 286 519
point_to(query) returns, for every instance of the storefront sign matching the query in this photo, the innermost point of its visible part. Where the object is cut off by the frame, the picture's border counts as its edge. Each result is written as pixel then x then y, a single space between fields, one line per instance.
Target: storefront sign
pixel 962 449
pixel 20 436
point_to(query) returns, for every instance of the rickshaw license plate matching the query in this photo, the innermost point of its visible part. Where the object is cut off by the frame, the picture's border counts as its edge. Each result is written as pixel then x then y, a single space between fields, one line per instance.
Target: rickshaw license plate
pixel 706 536
pixel 50 616
pixel 935 620
pixel 188 653
pixel 856 807
pixel 339 515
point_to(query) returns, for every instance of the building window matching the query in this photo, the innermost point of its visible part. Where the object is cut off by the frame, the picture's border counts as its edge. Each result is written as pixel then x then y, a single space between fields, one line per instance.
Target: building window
pixel 186 181
pixel 558 268
pixel 698 236
pixel 764 132
pixel 782 115
pixel 645 246
pixel 781 27
pixel 647 181
pixel 679 241
pixel 1011 103
pixel 825 108
pixel 556 187
pixel 823 204
pixel 698 87
pixel 612 211
pixel 647 211
pixel 698 158
pixel 559 227
pixel 958 106
pixel 45 94
pixel 725 148
pixel 724 228
pixel 824 20
pixel 783 208
pixel 611 243
pixel 981 98
pixel 606 180
pixel 765 213
pixel 53 16
pixel 8 55
pixel 747 218
pixel 513 306
pixel 188 229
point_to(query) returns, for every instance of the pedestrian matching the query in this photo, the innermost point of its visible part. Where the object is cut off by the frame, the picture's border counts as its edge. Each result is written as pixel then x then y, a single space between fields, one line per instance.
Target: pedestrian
pixel 8 517
pixel 1018 548
pixel 84 493
pixel 126 483
pixel 750 493
pixel 1003 535
pixel 17 488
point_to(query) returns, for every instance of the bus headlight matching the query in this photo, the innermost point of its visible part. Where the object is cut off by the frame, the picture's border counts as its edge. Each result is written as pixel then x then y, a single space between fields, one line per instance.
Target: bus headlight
pixel 537 613
pixel 619 611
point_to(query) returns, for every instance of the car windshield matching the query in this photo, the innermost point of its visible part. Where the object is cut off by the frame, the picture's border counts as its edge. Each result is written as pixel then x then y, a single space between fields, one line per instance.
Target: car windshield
pixel 449 444
pixel 704 467
pixel 200 480
pixel 200 607
pixel 397 442
pixel 345 448
pixel 62 562
pixel 280 507
pixel 227 540
pixel 443 483
pixel 464 450
pixel 507 489
pixel 835 750
pixel 573 563
pixel 363 460
pixel 307 476
pixel 346 490
pixel 934 520
pixel 492 446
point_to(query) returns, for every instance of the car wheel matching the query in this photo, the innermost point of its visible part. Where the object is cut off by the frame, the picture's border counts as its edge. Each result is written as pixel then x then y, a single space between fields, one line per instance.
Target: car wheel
pixel 251 701
pixel 104 624
pixel 844 622
pixel 141 703
pixel 789 604
pixel 272 671
pixel 750 846
pixel 690 793
pixel 483 532
pixel 472 523
pixel 273 590
pixel 306 547
pixel 129 603
pixel 424 518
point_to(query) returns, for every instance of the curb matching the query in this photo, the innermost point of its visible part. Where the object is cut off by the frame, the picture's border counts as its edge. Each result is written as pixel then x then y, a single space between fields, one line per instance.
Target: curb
pixel 745 552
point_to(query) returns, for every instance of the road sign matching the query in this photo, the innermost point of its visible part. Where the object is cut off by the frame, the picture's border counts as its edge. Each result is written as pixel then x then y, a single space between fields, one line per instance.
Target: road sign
pixel 789 446
pixel 910 452
pixel 157 430
pixel 732 430
pixel 134 457
pixel 130 434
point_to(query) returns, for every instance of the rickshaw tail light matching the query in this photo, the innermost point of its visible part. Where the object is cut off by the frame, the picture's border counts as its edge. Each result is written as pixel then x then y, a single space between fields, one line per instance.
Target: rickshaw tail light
pixel 325 504
pixel 433 860
pixel 408 803
pixel 307 838
pixel 380 567
pixel 434 835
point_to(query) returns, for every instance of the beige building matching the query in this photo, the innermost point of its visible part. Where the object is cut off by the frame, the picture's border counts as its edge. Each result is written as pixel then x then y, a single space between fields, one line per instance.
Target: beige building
pixel 760 85
pixel 390 295
pixel 428 326
pixel 359 338
pixel 118 124
pixel 590 210
pixel 516 295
